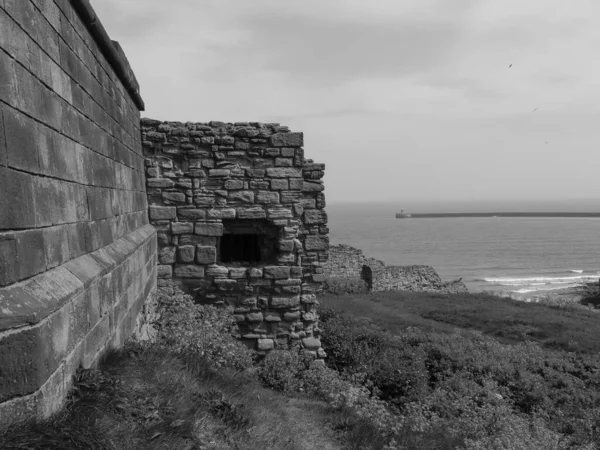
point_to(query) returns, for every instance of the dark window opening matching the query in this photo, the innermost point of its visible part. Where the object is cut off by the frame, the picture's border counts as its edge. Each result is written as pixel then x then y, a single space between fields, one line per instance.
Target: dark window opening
pixel 367 276
pixel 248 242
pixel 241 248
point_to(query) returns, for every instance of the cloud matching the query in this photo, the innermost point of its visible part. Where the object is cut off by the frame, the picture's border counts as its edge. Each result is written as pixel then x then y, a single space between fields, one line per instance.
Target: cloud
pixel 415 97
pixel 318 51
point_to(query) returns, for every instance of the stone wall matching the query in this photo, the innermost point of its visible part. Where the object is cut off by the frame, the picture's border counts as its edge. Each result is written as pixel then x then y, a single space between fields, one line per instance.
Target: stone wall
pixel 77 255
pixel 350 262
pixel 241 221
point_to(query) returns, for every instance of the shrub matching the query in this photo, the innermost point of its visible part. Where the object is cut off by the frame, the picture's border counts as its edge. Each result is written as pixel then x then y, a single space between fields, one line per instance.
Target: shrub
pixel 280 370
pixel 345 285
pixel 184 326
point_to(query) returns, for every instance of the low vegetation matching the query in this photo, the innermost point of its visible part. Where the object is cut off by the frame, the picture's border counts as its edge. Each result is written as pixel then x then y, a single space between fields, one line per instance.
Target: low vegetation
pixel 404 371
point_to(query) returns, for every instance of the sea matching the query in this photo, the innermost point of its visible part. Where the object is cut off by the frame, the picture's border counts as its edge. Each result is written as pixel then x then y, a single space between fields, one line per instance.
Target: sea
pixel 519 257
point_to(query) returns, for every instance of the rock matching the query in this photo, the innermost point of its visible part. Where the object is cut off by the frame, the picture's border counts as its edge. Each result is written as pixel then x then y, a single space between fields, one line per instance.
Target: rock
pixel 311 343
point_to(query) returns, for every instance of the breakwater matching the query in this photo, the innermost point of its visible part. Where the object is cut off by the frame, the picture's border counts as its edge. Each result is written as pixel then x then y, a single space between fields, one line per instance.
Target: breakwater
pixel 499 214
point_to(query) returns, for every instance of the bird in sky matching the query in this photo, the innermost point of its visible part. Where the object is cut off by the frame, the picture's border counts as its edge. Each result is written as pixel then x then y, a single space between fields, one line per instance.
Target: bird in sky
pixel 510 66
pixel 535 109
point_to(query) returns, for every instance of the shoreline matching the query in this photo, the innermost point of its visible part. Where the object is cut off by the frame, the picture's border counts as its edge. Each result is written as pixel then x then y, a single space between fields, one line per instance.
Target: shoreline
pixel 581 294
pixel 500 214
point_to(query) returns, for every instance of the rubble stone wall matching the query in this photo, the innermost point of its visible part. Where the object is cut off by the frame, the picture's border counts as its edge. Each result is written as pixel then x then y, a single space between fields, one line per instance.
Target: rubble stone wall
pixel 207 181
pixel 77 255
pixel 350 262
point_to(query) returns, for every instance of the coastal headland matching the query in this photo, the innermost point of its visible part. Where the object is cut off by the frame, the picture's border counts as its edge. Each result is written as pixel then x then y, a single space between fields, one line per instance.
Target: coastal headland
pixel 499 214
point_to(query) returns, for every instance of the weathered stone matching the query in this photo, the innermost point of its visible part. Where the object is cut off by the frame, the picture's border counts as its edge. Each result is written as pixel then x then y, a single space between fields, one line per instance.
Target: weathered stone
pixel 254 317
pixel 284 162
pixel 206 255
pixel 315 216
pixel 164 271
pixel 159 183
pixel 162 212
pixel 209 229
pixel 250 301
pixel 285 302
pixel 255 273
pixel 187 239
pixel 182 227
pixel 219 172
pixel 272 317
pixel 286 245
pixel 191 213
pixel 287 140
pixel 189 271
pixel 283 172
pixel 225 284
pixel 217 271
pixel 185 253
pixel 234 184
pixel 311 343
pixel 251 213
pixel 280 184
pixel 291 316
pixel 173 197
pixel 279 213
pixel 316 243
pixel 276 272
pixel 255 173
pixel 221 213
pixel 241 196
pixel 237 272
pixel 166 255
pixel 267 197
pixel 265 344
pixel 259 184
pixel 309 316
pixel 309 186
pixel 308 299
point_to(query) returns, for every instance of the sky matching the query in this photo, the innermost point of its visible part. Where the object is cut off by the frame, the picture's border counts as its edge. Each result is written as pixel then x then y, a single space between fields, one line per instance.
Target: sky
pixel 403 100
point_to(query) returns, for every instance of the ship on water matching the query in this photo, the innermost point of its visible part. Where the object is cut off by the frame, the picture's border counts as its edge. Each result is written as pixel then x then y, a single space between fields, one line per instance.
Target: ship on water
pixel 402 215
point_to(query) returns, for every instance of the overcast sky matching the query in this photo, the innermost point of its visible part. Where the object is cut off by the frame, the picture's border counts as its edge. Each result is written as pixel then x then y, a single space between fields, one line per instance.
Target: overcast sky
pixel 404 100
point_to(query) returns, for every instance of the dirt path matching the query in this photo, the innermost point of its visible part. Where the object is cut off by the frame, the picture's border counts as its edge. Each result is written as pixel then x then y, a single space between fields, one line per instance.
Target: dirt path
pixel 310 417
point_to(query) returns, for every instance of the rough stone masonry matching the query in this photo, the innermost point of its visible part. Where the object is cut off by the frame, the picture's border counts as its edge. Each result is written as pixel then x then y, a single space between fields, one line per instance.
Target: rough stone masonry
pixel 240 218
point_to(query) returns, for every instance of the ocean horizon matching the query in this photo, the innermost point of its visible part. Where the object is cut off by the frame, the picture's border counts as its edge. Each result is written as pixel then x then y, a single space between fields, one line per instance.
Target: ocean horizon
pixel 522 257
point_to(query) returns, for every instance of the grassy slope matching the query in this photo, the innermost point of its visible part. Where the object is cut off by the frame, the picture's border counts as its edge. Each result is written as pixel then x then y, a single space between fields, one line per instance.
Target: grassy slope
pixel 151 399
pixel 510 321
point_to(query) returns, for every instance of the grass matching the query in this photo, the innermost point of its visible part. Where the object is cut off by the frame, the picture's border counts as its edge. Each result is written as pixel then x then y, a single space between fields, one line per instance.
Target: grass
pixel 149 398
pixel 406 371
pixel 509 321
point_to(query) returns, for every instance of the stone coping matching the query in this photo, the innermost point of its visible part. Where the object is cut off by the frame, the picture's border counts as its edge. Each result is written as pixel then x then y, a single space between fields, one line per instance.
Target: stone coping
pixel 111 50
pixel 31 301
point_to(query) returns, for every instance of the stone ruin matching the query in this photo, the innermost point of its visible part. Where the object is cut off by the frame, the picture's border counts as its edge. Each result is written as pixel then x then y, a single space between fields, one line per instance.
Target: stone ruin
pixel 346 262
pixel 240 219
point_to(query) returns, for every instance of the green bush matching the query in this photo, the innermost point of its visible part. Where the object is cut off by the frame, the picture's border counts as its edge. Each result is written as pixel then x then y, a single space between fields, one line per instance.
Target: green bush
pixel 345 285
pixel 184 326
pixel 470 387
pixel 280 370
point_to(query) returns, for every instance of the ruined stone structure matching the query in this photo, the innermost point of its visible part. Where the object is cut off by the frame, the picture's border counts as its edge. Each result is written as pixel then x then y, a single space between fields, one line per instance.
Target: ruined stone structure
pixel 349 262
pixel 241 221
pixel 77 255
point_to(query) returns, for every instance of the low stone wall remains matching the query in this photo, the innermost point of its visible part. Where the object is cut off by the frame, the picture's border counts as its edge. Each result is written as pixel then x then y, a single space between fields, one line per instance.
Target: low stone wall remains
pixel 350 262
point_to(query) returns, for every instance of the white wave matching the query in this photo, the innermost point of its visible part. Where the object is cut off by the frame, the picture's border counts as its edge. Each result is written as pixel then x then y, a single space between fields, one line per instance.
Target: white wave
pixel 526 290
pixel 577 271
pixel 545 280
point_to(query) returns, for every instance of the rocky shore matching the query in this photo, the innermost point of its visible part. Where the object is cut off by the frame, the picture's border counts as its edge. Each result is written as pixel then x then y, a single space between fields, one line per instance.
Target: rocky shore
pixel 587 294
